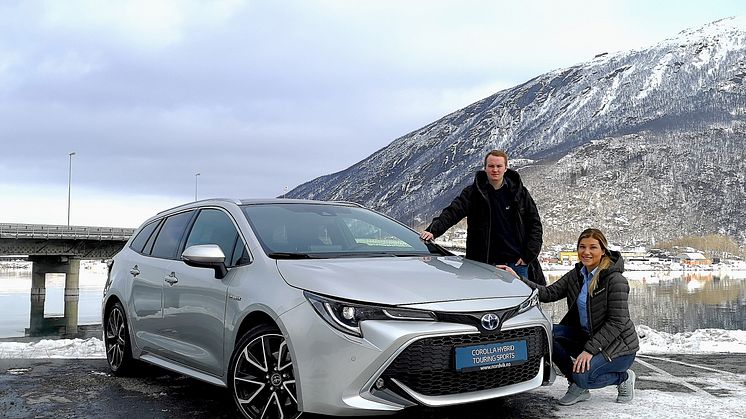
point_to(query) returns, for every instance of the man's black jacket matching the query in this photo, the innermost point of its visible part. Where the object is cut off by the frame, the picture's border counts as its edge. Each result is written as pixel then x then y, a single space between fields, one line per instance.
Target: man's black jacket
pixel 473 203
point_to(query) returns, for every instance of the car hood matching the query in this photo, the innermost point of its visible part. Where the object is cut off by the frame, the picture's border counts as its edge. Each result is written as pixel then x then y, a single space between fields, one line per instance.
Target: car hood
pixel 403 280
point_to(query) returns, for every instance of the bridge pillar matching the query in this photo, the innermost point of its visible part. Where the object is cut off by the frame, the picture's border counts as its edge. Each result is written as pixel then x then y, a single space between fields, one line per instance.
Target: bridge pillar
pixel 72 278
pixel 72 295
pixel 37 321
pixel 41 266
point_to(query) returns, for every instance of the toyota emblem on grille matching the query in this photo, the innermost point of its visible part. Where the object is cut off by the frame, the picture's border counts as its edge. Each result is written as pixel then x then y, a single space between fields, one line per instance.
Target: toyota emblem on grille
pixel 490 321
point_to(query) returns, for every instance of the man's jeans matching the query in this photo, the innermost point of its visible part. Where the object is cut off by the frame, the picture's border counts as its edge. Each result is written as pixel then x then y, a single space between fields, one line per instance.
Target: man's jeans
pixel 521 270
pixel 569 342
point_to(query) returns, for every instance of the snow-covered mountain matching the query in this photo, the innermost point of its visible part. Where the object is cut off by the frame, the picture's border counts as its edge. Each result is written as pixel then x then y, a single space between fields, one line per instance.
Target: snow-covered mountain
pixel 643 144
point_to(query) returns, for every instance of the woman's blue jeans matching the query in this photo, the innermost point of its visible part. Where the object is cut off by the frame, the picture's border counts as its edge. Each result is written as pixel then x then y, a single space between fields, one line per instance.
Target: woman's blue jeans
pixel 568 342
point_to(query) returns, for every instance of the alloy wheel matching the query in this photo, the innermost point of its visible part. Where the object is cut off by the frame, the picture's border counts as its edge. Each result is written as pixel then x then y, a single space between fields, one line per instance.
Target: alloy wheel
pixel 116 338
pixel 263 378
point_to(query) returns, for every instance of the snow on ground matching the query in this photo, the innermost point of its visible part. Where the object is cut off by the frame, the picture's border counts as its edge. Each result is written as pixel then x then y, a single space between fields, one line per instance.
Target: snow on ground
pixel 647 403
pixel 53 348
pixel 656 403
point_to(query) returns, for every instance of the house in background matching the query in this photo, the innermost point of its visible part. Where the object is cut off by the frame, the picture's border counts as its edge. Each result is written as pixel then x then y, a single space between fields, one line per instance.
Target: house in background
pixel 692 259
pixel 568 257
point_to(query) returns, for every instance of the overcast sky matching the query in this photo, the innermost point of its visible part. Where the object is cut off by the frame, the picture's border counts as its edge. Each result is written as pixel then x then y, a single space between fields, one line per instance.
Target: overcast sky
pixel 257 96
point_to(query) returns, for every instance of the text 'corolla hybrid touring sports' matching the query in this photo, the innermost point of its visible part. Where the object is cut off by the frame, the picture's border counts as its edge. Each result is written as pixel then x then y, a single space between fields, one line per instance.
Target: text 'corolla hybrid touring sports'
pixel 323 307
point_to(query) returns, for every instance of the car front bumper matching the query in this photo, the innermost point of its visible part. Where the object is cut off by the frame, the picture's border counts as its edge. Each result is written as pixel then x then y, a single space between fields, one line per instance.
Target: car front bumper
pixel 399 364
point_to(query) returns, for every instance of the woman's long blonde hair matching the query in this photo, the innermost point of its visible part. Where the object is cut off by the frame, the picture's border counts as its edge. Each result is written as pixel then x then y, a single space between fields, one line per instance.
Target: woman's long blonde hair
pixel 606 261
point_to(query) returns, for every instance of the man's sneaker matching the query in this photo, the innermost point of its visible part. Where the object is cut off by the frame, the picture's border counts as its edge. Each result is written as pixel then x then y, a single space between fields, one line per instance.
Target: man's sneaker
pixel 574 394
pixel 627 388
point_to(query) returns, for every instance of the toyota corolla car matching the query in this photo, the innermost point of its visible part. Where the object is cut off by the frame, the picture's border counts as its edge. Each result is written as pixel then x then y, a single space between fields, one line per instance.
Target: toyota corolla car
pixel 303 306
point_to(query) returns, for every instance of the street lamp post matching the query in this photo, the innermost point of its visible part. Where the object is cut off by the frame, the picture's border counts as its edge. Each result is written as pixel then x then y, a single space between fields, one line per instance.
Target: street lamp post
pixel 69 183
pixel 195 186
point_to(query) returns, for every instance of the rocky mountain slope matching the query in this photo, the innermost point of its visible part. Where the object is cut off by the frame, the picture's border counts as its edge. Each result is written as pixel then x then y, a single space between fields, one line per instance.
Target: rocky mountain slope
pixel 647 145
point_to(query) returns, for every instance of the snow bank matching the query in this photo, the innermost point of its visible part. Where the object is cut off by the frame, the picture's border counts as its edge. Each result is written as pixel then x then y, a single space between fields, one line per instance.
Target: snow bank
pixel 54 348
pixel 701 341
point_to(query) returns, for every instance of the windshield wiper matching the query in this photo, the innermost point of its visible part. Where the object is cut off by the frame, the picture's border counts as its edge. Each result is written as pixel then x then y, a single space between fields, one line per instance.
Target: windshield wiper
pixel 410 254
pixel 289 255
pixel 372 254
pixel 357 254
pixel 332 255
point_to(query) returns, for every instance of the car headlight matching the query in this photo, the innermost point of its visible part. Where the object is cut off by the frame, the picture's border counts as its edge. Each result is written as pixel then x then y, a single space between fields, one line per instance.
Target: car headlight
pixel 531 301
pixel 346 316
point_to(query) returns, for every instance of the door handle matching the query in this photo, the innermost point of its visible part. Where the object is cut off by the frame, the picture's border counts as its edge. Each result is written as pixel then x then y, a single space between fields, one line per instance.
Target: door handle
pixel 171 278
pixel 135 271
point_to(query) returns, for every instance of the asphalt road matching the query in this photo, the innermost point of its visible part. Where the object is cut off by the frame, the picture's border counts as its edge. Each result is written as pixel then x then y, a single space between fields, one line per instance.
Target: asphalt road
pixel 67 388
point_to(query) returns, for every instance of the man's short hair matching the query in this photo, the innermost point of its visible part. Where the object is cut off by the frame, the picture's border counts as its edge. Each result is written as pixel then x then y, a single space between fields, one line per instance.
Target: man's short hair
pixel 496 153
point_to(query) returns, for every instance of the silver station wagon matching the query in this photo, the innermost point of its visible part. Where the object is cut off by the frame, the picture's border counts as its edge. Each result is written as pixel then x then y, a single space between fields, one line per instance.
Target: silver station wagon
pixel 303 306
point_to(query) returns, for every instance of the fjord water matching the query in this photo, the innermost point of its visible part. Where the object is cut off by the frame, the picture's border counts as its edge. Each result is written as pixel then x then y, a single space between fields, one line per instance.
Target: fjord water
pixel 668 301
pixel 15 298
pixel 680 301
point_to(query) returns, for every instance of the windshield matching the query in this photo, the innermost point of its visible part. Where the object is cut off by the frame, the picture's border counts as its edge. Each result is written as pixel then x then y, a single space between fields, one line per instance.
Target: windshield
pixel 297 230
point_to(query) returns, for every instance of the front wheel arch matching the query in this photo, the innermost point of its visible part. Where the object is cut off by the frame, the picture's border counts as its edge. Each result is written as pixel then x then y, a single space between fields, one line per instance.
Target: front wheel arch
pixel 261 375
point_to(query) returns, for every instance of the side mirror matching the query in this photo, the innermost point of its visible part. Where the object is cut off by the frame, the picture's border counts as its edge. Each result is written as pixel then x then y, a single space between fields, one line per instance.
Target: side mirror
pixel 206 256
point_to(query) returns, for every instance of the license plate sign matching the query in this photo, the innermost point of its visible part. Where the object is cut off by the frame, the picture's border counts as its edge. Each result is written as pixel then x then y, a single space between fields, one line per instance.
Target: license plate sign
pixel 491 355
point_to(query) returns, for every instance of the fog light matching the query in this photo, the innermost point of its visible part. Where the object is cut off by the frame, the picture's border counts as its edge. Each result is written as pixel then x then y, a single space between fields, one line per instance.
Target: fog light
pixel 380 384
pixel 348 313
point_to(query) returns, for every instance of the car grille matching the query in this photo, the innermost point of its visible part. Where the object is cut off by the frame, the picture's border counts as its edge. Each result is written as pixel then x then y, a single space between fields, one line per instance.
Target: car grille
pixel 427 366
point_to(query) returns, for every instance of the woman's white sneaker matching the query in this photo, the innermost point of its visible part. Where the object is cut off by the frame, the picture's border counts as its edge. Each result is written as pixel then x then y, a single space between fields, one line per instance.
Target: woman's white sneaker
pixel 627 388
pixel 574 394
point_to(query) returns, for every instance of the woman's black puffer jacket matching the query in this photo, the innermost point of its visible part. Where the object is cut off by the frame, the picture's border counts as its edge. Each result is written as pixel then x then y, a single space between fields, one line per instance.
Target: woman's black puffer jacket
pixel 612 331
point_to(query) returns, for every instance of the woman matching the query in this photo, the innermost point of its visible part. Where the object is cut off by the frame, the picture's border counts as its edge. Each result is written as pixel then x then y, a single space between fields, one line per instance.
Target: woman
pixel 595 343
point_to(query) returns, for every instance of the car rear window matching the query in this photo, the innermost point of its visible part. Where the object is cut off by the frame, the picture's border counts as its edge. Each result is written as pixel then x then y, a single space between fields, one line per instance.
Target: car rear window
pixel 169 237
pixel 142 236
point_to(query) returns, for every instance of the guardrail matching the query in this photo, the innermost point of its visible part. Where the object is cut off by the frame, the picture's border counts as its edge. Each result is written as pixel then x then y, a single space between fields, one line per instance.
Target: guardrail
pixel 46 231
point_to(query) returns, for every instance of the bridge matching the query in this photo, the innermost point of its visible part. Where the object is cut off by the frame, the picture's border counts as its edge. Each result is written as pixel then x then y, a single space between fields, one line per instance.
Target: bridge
pixel 58 249
pixel 55 240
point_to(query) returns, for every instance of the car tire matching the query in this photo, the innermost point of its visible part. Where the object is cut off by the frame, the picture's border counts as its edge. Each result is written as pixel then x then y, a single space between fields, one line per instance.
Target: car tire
pixel 261 377
pixel 117 341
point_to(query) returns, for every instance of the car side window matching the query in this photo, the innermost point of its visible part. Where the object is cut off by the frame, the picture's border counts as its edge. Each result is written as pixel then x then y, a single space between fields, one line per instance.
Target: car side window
pixel 149 245
pixel 138 243
pixel 214 227
pixel 240 254
pixel 169 237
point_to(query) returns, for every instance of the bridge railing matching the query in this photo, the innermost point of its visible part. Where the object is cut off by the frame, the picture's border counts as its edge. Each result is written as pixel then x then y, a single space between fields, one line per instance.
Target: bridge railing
pixel 46 231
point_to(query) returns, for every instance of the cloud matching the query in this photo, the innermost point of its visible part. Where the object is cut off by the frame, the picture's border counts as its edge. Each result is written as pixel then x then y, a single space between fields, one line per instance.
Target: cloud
pixel 144 24
pixel 68 65
pixel 92 207
pixel 265 94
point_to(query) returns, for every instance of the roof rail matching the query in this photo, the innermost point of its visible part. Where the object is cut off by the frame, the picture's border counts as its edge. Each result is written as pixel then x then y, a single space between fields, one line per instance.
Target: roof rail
pixel 229 200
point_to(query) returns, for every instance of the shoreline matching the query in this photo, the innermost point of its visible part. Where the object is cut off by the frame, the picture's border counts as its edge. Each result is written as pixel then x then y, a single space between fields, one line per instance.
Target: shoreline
pixel 738 271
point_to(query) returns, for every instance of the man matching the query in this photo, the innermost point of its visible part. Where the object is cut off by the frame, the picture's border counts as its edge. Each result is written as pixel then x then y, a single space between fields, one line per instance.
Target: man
pixel 504 227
